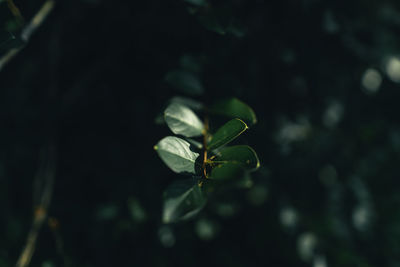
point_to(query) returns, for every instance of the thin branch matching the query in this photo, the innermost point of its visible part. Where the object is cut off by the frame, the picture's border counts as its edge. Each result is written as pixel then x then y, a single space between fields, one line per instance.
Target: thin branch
pixel 54 226
pixel 45 178
pixel 27 32
pixel 15 11
pixel 37 20
pixel 205 140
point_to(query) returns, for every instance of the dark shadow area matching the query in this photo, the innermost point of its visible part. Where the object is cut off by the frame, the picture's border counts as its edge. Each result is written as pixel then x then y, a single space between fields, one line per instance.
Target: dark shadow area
pixel 323 78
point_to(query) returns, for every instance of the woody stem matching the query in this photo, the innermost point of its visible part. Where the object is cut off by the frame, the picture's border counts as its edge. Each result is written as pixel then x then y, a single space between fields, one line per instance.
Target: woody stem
pixel 205 137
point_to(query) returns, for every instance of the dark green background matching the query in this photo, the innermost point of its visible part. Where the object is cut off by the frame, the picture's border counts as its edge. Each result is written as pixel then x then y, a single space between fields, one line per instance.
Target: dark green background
pixel 92 80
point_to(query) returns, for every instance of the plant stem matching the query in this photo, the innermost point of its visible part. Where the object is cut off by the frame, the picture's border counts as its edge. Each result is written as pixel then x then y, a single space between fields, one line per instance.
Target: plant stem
pixel 205 138
pixel 43 190
pixel 33 25
pixel 15 11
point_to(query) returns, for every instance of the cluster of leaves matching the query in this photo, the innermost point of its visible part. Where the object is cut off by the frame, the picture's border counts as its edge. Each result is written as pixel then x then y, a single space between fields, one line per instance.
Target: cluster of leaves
pixel 210 163
pixel 217 16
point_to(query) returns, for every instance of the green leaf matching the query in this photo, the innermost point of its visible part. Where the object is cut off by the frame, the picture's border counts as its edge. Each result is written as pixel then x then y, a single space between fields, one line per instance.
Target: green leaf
pixel 159 119
pixel 234 108
pixel 8 41
pixel 182 120
pixel 195 143
pixel 228 132
pixel 236 29
pixel 190 103
pixel 182 200
pixel 227 171
pixel 241 155
pixel 245 182
pixel 177 155
pixel 185 81
pixel 190 63
pixel 211 22
pixel 197 2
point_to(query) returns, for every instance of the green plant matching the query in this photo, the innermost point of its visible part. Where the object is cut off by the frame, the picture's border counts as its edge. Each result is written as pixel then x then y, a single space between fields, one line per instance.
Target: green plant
pixel 210 163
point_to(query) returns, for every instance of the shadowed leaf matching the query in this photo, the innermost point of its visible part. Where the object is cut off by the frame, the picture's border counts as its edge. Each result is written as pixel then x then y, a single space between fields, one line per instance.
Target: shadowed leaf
pixel 197 2
pixel 228 132
pixel 234 108
pixel 241 155
pixel 227 171
pixel 182 200
pixel 185 81
pixel 188 102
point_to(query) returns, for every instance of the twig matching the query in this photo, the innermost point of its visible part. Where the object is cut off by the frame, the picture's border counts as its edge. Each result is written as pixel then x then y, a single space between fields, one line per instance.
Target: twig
pixel 44 182
pixel 37 20
pixel 15 11
pixel 205 140
pixel 54 226
pixel 27 32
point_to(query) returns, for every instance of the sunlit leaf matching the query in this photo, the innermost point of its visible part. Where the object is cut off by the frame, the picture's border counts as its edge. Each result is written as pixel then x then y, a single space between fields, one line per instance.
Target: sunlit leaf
pixel 234 108
pixel 177 155
pixel 182 200
pixel 185 81
pixel 182 120
pixel 242 155
pixel 188 102
pixel 228 132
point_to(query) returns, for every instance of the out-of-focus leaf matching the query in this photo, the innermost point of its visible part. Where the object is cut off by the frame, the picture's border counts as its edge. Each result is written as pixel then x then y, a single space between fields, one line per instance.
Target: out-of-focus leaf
pixel 195 143
pixel 228 132
pixel 190 63
pixel 246 181
pixel 242 155
pixel 182 200
pixel 159 119
pixel 185 81
pixel 137 212
pixel 235 108
pixel 8 41
pixel 211 23
pixel 107 212
pixel 182 120
pixel 197 2
pixel 237 30
pixel 177 155
pixel 220 19
pixel 190 103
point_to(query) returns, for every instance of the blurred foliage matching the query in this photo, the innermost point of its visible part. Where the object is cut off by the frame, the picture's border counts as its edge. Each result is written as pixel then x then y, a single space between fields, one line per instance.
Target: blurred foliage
pixel 322 76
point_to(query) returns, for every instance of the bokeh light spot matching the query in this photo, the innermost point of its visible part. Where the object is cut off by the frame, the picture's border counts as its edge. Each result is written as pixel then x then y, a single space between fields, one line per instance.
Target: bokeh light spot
pixel 371 81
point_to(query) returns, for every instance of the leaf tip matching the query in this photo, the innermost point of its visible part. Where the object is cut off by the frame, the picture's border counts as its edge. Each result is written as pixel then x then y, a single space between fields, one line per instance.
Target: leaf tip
pixel 245 124
pixel 155 147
